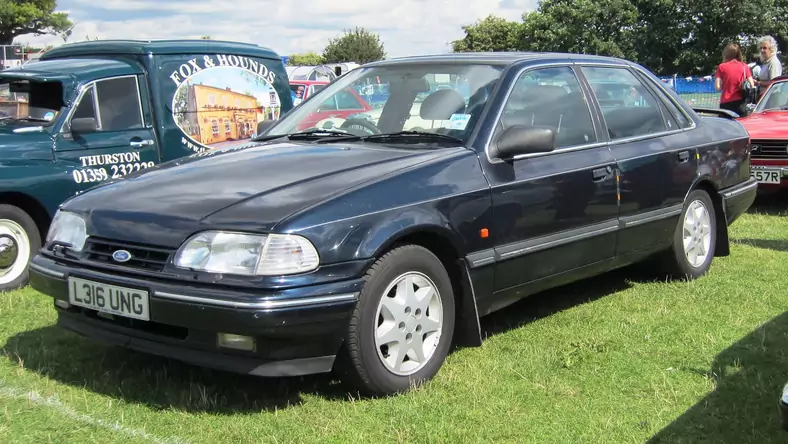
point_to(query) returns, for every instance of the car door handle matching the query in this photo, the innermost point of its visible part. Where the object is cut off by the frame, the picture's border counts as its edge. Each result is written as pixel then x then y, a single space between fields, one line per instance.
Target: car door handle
pixel 140 143
pixel 601 174
pixel 684 156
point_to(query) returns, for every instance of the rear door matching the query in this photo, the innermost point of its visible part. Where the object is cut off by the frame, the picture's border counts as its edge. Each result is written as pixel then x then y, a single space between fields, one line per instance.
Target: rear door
pixel 655 155
pixel 123 141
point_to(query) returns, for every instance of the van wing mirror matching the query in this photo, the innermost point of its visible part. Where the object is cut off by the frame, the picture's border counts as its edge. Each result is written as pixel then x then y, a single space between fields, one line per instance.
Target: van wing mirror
pixel 523 139
pixel 83 125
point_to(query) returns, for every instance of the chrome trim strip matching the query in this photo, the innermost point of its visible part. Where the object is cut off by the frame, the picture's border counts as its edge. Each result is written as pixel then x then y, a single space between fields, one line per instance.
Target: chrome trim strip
pixel 740 189
pixel 47 271
pixel 651 216
pixel 286 303
pixel 554 240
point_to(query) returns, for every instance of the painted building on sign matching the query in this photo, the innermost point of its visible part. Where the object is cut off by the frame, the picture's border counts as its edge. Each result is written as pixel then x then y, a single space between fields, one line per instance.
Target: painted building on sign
pixel 222 114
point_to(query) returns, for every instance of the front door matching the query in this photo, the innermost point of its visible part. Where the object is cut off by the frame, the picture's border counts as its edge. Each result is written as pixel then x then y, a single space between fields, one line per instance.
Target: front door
pixel 655 156
pixel 557 211
pixel 122 141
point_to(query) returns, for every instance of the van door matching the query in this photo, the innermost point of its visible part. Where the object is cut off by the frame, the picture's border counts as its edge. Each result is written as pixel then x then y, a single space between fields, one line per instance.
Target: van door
pixel 106 135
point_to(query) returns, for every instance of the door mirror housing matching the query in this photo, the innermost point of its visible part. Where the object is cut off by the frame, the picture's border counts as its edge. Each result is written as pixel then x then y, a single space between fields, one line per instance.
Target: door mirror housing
pixel 264 125
pixel 524 139
pixel 83 125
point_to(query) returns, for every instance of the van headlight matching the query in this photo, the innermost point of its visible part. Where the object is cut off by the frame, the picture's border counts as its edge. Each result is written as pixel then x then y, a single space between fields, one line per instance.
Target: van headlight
pixel 247 254
pixel 67 229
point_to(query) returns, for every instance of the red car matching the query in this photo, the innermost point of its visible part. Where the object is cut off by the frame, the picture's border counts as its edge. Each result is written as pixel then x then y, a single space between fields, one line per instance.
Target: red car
pixel 768 128
pixel 301 89
pixel 337 108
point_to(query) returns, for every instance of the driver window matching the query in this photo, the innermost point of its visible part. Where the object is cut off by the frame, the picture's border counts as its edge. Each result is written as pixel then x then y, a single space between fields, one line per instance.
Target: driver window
pixel 118 104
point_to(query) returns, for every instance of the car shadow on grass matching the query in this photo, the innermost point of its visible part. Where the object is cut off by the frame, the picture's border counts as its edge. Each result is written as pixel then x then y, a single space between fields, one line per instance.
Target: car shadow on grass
pixel 157 382
pixel 558 299
pixel 749 377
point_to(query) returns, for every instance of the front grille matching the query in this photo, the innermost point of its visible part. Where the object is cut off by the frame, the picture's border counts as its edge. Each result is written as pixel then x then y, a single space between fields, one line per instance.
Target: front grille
pixel 769 149
pixel 143 257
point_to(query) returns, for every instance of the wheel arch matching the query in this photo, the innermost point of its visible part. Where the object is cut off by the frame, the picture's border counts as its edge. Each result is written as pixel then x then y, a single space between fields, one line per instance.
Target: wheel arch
pixel 32 207
pixel 446 247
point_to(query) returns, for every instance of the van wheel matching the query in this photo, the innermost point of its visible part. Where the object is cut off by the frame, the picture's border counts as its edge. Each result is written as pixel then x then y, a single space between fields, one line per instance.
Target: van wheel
pixel 694 240
pixel 402 327
pixel 19 241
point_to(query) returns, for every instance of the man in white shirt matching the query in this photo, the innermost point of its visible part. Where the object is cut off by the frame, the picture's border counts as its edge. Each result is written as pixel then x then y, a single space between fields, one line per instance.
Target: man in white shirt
pixel 770 64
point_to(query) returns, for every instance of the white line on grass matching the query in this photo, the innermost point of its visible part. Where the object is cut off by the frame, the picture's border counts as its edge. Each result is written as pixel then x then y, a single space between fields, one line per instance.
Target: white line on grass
pixel 53 403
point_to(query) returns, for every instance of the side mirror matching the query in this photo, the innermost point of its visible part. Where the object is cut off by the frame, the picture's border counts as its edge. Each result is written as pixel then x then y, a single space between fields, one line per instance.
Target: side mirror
pixel 264 125
pixel 83 125
pixel 521 139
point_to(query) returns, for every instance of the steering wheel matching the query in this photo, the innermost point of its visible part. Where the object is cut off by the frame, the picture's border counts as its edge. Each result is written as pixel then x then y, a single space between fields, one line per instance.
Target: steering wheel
pixel 359 127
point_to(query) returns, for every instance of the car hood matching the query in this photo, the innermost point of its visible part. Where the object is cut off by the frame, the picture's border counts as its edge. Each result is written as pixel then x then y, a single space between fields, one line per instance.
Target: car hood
pixel 767 125
pixel 265 183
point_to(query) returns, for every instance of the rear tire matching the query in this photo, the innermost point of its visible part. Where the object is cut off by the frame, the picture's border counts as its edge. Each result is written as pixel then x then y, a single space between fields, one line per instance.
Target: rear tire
pixel 399 339
pixel 20 240
pixel 694 239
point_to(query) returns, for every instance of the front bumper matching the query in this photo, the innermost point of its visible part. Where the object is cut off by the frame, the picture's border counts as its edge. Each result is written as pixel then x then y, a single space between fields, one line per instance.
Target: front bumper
pixel 297 331
pixel 737 199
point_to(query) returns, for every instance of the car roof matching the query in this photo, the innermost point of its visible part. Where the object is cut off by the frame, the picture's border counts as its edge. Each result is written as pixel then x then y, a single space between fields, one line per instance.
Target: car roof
pixel 156 47
pixel 76 69
pixel 500 58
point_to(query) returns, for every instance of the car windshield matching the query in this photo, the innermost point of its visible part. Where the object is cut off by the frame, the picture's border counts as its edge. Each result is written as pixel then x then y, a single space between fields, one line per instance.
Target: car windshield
pixel 775 98
pixel 445 99
pixel 24 102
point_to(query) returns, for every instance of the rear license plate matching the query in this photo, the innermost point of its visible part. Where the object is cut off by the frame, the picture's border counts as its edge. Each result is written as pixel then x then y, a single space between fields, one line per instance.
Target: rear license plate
pixel 766 175
pixel 121 301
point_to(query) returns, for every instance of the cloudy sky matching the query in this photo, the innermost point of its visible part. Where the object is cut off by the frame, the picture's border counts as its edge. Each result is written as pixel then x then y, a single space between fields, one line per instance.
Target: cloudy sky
pixel 405 26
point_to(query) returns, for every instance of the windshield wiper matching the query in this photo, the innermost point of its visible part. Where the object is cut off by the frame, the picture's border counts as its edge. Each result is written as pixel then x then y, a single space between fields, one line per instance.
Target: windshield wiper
pixel 303 135
pixel 415 136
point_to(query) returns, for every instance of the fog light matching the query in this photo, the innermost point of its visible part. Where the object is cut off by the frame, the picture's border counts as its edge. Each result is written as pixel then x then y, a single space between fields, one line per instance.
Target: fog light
pixel 62 304
pixel 238 342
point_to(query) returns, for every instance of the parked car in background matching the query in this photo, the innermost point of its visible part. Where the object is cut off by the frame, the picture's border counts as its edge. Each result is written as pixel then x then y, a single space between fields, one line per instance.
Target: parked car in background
pixel 301 90
pixel 371 248
pixel 768 128
pixel 91 112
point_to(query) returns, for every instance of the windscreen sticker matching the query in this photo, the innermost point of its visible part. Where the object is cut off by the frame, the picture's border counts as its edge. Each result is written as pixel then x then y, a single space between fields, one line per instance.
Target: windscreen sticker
pixel 457 121
pixel 220 99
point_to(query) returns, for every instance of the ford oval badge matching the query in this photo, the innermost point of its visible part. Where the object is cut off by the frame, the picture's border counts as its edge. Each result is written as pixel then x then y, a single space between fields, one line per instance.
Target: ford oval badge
pixel 121 256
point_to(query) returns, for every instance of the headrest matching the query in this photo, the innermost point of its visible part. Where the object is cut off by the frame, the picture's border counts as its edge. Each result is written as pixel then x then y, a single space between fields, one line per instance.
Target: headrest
pixel 441 104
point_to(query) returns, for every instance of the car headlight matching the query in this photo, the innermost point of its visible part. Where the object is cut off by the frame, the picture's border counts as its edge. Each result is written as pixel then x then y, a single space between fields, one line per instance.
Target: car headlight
pixel 69 229
pixel 247 254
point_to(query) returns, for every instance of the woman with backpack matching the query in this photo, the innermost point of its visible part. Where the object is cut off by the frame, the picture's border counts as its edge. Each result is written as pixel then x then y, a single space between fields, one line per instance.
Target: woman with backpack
pixel 734 79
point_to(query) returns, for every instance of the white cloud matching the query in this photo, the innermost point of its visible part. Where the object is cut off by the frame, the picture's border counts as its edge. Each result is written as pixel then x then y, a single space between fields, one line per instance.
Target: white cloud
pixel 406 27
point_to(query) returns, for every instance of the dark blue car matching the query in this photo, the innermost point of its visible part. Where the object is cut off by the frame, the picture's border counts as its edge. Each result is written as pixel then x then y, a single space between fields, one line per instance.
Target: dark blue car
pixel 370 248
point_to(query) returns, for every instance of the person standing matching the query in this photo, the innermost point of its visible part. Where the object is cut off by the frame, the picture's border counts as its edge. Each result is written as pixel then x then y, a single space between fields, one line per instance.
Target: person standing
pixel 771 67
pixel 730 79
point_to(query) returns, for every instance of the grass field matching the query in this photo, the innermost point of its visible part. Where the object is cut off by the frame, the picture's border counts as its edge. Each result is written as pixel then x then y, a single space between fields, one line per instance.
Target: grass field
pixel 612 359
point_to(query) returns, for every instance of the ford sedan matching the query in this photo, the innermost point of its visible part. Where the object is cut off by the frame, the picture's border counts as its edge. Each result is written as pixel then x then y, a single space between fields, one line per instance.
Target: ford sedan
pixel 370 248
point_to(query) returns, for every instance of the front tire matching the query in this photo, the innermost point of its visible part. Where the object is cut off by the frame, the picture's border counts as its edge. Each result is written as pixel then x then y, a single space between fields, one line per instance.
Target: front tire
pixel 695 238
pixel 19 241
pixel 403 324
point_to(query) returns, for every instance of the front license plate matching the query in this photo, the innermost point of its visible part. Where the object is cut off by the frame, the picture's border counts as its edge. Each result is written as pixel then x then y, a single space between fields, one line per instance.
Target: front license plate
pixel 765 175
pixel 121 301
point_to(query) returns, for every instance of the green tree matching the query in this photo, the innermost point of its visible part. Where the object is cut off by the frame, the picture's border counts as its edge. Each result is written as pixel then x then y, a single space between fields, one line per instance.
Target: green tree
pixel 358 45
pixel 307 59
pixel 22 17
pixel 601 27
pixel 491 34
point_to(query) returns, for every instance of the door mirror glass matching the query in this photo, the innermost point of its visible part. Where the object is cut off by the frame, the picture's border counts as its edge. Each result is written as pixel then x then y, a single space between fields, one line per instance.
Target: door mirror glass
pixel 524 139
pixel 83 125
